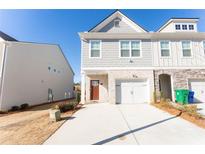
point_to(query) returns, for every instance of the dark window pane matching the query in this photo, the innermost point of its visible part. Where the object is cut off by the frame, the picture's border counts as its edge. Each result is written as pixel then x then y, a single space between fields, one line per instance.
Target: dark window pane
pixel 177 27
pixel 191 27
pixel 186 52
pixel 135 53
pixel 165 53
pixel 95 53
pixel 125 53
pixel 184 27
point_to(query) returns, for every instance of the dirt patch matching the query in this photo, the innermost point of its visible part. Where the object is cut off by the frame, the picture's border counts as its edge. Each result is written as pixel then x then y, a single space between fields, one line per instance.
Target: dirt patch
pixel 32 126
pixel 195 120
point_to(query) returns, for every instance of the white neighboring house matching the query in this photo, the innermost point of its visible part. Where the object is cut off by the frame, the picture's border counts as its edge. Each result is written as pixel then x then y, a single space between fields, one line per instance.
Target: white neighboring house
pixel 32 73
pixel 121 62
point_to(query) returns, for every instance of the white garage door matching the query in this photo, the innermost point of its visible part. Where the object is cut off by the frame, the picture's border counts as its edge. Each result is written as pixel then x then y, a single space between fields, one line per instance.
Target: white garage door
pixel 198 86
pixel 131 92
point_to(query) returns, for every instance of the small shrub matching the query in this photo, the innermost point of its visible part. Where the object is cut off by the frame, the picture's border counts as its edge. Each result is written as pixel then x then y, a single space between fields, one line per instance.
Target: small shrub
pixel 164 103
pixel 24 106
pixel 15 108
pixel 56 107
pixel 192 111
pixel 191 108
pixel 66 107
pixel 187 108
pixel 78 95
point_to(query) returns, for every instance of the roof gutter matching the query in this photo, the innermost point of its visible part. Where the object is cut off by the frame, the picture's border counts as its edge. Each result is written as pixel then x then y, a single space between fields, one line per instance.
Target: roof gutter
pixel 157 35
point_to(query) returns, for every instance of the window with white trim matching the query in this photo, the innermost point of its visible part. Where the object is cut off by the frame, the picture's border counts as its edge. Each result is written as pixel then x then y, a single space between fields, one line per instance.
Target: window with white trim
pixel 186 48
pixel 177 27
pixel 95 48
pixel 125 48
pixel 117 23
pixel 191 27
pixel 164 46
pixel 184 27
pixel 130 48
pixel 135 48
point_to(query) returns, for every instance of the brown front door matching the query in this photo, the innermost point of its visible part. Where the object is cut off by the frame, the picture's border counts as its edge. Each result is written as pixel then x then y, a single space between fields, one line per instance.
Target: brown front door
pixel 94 93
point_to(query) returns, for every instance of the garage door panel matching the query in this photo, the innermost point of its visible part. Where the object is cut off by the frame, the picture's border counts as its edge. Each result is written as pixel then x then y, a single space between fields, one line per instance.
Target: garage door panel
pixel 126 94
pixel 132 92
pixel 140 94
pixel 198 86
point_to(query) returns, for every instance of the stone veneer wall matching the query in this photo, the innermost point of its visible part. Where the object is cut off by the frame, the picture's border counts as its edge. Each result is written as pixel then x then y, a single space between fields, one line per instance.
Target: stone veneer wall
pixel 180 77
pixel 128 75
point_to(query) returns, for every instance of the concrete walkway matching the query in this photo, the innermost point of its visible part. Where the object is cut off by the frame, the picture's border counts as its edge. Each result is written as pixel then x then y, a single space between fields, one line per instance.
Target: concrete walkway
pixel 126 124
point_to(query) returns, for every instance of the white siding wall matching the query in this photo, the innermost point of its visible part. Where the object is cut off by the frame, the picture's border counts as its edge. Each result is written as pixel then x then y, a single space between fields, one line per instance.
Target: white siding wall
pixel 110 55
pixel 151 55
pixel 168 28
pixel 26 76
pixel 171 27
pixel 176 59
pixel 1 56
pixel 1 40
pixel 123 28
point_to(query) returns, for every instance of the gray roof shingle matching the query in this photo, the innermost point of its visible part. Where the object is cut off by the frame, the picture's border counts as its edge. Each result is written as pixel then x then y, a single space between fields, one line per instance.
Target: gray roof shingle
pixel 6 37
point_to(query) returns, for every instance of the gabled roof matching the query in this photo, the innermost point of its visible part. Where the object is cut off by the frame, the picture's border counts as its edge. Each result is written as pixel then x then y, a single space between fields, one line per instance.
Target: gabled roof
pixel 116 14
pixel 6 37
pixel 174 19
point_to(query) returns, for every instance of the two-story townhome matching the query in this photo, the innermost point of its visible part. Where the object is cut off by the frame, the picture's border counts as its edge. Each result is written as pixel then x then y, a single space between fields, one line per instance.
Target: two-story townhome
pixel 121 62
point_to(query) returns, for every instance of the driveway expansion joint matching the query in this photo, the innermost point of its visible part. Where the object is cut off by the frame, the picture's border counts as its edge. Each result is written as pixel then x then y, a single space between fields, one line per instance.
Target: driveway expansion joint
pixel 128 126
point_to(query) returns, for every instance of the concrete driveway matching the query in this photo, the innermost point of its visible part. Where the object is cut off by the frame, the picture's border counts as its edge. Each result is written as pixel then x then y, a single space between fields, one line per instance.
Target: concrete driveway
pixel 126 124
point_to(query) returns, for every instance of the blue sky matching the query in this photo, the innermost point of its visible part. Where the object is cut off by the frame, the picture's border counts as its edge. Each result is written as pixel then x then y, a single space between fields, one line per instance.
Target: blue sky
pixel 62 26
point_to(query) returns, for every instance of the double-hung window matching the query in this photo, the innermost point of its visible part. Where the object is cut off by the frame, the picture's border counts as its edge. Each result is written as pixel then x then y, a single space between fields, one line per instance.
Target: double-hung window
pixel 130 48
pixel 186 48
pixel 135 48
pixel 95 47
pixel 125 48
pixel 165 48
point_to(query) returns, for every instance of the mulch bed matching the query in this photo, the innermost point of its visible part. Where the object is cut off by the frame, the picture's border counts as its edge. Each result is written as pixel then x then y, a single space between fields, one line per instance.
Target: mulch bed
pixel 195 120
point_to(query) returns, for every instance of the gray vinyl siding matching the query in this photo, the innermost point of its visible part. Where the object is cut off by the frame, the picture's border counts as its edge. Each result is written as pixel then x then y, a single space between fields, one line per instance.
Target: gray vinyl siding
pixel 151 55
pixel 176 59
pixel 110 55
pixel 123 28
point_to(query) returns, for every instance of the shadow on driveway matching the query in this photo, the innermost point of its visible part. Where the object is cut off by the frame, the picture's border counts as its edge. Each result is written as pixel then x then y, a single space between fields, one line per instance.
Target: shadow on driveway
pixel 134 130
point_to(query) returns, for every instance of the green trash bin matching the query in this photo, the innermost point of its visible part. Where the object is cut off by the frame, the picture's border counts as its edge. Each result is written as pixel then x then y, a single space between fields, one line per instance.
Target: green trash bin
pixel 182 96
